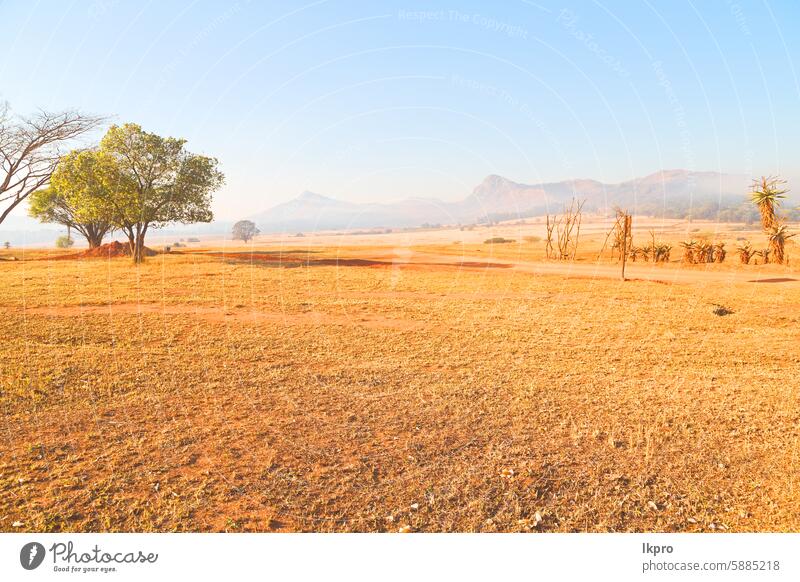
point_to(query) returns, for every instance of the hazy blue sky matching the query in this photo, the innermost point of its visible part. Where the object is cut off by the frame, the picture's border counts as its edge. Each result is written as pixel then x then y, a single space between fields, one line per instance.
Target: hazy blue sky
pixel 385 100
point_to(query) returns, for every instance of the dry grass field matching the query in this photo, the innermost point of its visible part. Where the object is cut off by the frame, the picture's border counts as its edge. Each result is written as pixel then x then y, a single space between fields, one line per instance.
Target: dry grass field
pixel 392 383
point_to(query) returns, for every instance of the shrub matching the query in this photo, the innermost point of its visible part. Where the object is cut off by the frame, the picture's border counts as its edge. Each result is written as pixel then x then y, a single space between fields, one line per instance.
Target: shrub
pixel 498 240
pixel 64 242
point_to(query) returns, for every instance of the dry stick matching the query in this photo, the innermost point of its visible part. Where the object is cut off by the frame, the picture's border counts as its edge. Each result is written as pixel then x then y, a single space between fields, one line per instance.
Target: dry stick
pixel 571 220
pixel 653 244
pixel 562 234
pixel 626 233
pixel 578 231
pixel 608 236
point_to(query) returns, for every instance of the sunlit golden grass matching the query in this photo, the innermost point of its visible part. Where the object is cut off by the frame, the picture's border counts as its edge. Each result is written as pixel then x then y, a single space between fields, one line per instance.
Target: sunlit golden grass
pixel 211 393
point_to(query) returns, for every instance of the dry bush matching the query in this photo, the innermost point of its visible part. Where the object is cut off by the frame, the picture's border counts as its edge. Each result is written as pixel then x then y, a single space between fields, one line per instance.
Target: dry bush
pixel 689 251
pixel 718 252
pixel 565 230
pixel 621 236
pixel 746 252
pixel 661 252
pixel 778 236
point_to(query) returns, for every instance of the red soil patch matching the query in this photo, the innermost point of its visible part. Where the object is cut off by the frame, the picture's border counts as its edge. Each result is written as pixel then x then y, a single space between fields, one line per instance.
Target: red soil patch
pixel 278 259
pixel 110 250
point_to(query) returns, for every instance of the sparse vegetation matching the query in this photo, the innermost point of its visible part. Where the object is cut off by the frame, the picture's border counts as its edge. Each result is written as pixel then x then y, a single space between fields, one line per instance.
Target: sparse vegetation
pixel 746 252
pixel 689 251
pixel 660 252
pixel 565 231
pixel 767 193
pixel 64 242
pixel 521 429
pixel 718 252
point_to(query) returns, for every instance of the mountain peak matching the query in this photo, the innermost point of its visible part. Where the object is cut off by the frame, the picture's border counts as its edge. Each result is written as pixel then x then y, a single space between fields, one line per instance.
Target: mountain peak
pixel 308 196
pixel 494 181
pixel 672 192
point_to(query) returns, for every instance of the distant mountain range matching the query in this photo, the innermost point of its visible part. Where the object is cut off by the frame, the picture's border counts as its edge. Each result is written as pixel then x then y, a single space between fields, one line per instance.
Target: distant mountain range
pixel 669 193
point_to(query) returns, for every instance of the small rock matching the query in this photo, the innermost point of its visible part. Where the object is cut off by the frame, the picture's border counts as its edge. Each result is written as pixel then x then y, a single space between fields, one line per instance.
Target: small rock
pixel 652 505
pixel 415 506
pixel 405 529
pixel 18 524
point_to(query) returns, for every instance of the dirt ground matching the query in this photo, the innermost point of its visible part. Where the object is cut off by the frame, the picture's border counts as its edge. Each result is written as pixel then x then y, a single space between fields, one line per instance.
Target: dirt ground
pixel 400 382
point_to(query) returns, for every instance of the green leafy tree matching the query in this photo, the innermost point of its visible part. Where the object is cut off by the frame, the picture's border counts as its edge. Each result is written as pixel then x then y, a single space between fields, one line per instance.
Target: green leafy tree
pixel 71 205
pixel 150 181
pixel 245 230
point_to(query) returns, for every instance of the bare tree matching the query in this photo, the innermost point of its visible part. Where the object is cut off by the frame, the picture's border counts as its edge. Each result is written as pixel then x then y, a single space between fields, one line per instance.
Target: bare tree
pixel 567 229
pixel 623 237
pixel 30 148
pixel 551 224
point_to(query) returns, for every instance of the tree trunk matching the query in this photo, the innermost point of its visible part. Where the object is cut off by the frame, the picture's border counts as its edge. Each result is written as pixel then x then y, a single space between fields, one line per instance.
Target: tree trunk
pixel 131 242
pixel 138 246
pixel 776 252
pixel 626 225
pixel 93 237
pixel 138 256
